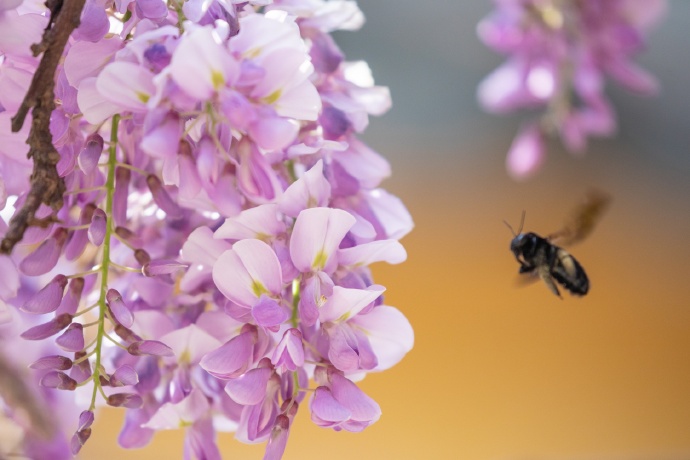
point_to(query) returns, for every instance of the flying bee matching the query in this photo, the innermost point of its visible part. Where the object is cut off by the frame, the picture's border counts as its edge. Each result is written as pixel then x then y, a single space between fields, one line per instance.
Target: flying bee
pixel 540 257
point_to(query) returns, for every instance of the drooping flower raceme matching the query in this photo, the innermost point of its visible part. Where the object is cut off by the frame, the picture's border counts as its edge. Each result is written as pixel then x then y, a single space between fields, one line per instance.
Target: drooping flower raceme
pixel 560 53
pixel 210 265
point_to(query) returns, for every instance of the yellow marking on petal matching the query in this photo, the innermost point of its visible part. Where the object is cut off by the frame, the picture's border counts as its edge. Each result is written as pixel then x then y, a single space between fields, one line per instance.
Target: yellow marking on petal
pixel 217 79
pixel 320 260
pixel 258 288
pixel 143 97
pixel 273 97
pixel 253 53
pixel 185 423
pixel 263 237
pixel 185 357
pixel 552 16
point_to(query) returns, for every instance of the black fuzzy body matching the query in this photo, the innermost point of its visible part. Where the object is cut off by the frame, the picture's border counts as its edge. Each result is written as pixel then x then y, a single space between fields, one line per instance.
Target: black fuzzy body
pixel 539 256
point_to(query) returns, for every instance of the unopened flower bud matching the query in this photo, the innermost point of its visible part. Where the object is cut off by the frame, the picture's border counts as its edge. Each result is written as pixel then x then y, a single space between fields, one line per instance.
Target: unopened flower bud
pixel 97 229
pixel 76 245
pixel 91 153
pixel 120 310
pixel 161 267
pixel 142 257
pixel 79 439
pixel 150 347
pixel 162 198
pixel 128 400
pixel 126 334
pixel 58 380
pixel 122 179
pixel 56 362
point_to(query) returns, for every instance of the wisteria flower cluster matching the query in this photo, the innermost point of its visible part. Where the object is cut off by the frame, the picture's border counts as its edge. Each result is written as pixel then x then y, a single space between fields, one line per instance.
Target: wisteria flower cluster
pixel 559 55
pixel 209 265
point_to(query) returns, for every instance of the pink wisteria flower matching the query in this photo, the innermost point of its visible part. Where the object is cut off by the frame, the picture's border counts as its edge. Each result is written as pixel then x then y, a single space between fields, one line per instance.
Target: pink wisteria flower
pixel 560 54
pixel 209 267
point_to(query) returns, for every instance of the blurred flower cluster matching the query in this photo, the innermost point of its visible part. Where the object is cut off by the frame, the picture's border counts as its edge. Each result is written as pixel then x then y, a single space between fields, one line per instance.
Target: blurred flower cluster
pixel 210 264
pixel 560 53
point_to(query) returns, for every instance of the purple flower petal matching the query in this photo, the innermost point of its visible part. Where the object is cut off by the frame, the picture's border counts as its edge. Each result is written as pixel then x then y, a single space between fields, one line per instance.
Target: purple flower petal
pixel 47 299
pixel 346 303
pixel 123 376
pixel 201 65
pixel 261 222
pixel 57 363
pixel 151 9
pixel 289 353
pixel 70 302
pixel 127 85
pixel 9 281
pixel 316 237
pixel 248 270
pixel 389 333
pixel 527 153
pixel 72 339
pixel 45 330
pixel 361 406
pixel 98 227
pixel 390 251
pixel 249 388
pixel 94 22
pixel 230 360
pixel 75 246
pixel 268 313
pixel 278 440
pixel 44 259
pixel 326 410
pixel 120 310
pixel 310 191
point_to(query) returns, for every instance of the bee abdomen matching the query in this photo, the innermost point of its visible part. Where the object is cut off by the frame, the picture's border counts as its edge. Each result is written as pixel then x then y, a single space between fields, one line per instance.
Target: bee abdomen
pixel 570 274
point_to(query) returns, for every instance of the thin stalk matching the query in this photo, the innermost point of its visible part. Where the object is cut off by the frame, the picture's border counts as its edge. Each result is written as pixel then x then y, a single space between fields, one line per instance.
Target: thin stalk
pixel 105 263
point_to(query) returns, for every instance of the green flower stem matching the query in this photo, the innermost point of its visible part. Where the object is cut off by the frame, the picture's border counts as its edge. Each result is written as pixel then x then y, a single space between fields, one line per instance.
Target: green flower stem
pixel 105 263
pixel 295 301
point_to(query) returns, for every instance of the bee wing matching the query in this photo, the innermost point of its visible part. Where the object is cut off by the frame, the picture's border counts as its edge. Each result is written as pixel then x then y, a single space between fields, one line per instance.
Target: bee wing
pixel 583 219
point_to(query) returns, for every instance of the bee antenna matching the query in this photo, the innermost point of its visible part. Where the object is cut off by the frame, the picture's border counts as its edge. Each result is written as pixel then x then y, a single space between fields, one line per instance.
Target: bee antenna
pixel 522 222
pixel 511 228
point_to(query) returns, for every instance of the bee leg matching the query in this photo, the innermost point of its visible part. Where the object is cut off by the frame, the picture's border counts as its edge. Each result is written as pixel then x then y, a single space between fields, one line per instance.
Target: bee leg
pixel 546 277
pixel 525 269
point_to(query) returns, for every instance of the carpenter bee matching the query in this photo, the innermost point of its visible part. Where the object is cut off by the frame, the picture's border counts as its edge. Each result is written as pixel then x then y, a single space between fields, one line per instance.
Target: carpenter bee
pixel 540 257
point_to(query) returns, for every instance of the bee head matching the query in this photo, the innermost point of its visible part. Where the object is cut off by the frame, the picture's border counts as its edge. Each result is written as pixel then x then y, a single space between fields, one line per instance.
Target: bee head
pixel 524 244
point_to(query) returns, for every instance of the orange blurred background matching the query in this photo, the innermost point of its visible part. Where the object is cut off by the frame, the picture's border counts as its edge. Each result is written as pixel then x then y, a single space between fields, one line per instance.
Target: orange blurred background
pixel 500 371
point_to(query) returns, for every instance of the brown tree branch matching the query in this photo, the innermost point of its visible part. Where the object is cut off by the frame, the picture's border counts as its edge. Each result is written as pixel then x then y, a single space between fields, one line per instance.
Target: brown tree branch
pixel 46 185
pixel 19 398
